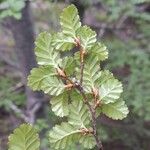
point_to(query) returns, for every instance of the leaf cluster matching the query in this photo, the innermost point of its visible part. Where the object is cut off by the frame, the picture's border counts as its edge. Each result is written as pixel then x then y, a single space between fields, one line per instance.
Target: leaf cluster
pixel 75 80
pixel 57 76
pixel 11 8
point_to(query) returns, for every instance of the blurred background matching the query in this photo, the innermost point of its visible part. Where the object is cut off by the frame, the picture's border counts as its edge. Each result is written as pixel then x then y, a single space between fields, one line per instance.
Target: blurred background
pixel 122 25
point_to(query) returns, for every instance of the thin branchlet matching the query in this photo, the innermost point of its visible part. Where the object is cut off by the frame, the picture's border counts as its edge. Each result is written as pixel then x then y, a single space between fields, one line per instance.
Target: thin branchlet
pixel 92 111
pixel 90 107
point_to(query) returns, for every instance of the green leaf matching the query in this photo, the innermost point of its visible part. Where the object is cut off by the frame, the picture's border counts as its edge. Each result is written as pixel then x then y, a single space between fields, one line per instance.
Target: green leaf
pixel 75 95
pixel 87 37
pixel 70 21
pixel 24 137
pixel 116 110
pixel 11 8
pixel 55 60
pixel 37 76
pixel 62 136
pixel 46 55
pixel 78 115
pixel 63 42
pixel 87 141
pixel 99 50
pixel 91 73
pixel 105 76
pixel 60 105
pixel 43 49
pixel 110 91
pixel 53 86
pixel 68 64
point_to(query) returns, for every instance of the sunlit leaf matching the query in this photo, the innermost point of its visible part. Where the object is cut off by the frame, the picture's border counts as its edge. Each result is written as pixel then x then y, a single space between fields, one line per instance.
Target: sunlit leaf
pixel 60 105
pixel 25 137
pixel 87 141
pixel 68 64
pixel 91 73
pixel 70 21
pixel 110 91
pixel 62 136
pixel 116 110
pixel 53 86
pixel 43 49
pixel 62 42
pixel 78 114
pixel 87 37
pixel 38 75
pixel 99 50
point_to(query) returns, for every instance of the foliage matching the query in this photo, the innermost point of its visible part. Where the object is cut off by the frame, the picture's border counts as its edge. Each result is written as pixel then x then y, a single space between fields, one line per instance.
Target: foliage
pixel 116 10
pixel 8 95
pixel 11 8
pixel 131 54
pixel 77 84
pixel 24 138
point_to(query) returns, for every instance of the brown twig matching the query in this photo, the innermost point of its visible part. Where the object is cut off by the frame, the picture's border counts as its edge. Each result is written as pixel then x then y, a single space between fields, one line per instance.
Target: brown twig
pixel 81 90
pixel 79 87
pixel 93 115
pixel 82 53
pixel 18 111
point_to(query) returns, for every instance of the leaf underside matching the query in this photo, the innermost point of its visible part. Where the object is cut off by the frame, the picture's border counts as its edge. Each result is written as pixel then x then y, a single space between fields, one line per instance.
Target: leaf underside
pixel 60 105
pixel 116 110
pixel 79 115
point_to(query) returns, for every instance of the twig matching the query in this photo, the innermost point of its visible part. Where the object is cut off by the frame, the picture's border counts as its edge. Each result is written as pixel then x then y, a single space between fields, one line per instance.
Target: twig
pixel 81 90
pixel 12 89
pixel 79 87
pixel 82 53
pixel 93 115
pixel 18 111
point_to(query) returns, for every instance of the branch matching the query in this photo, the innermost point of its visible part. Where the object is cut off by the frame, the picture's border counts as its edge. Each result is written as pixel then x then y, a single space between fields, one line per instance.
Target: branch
pixel 18 111
pixel 82 52
pixel 79 87
pixel 93 115
pixel 81 90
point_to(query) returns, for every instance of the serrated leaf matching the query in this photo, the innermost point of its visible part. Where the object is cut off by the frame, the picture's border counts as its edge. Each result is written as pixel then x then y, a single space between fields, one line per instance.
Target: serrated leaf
pixel 63 42
pixel 87 37
pixel 53 86
pixel 55 60
pixel 68 64
pixel 43 49
pixel 62 136
pixel 99 50
pixel 45 53
pixel 78 114
pixel 70 21
pixel 87 141
pixel 116 110
pixel 110 91
pixel 25 137
pixel 105 75
pixel 75 95
pixel 60 105
pixel 91 73
pixel 37 76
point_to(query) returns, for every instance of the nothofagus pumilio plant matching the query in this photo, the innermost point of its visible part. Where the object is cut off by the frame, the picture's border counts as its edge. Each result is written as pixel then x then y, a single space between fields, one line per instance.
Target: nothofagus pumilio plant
pixel 81 91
